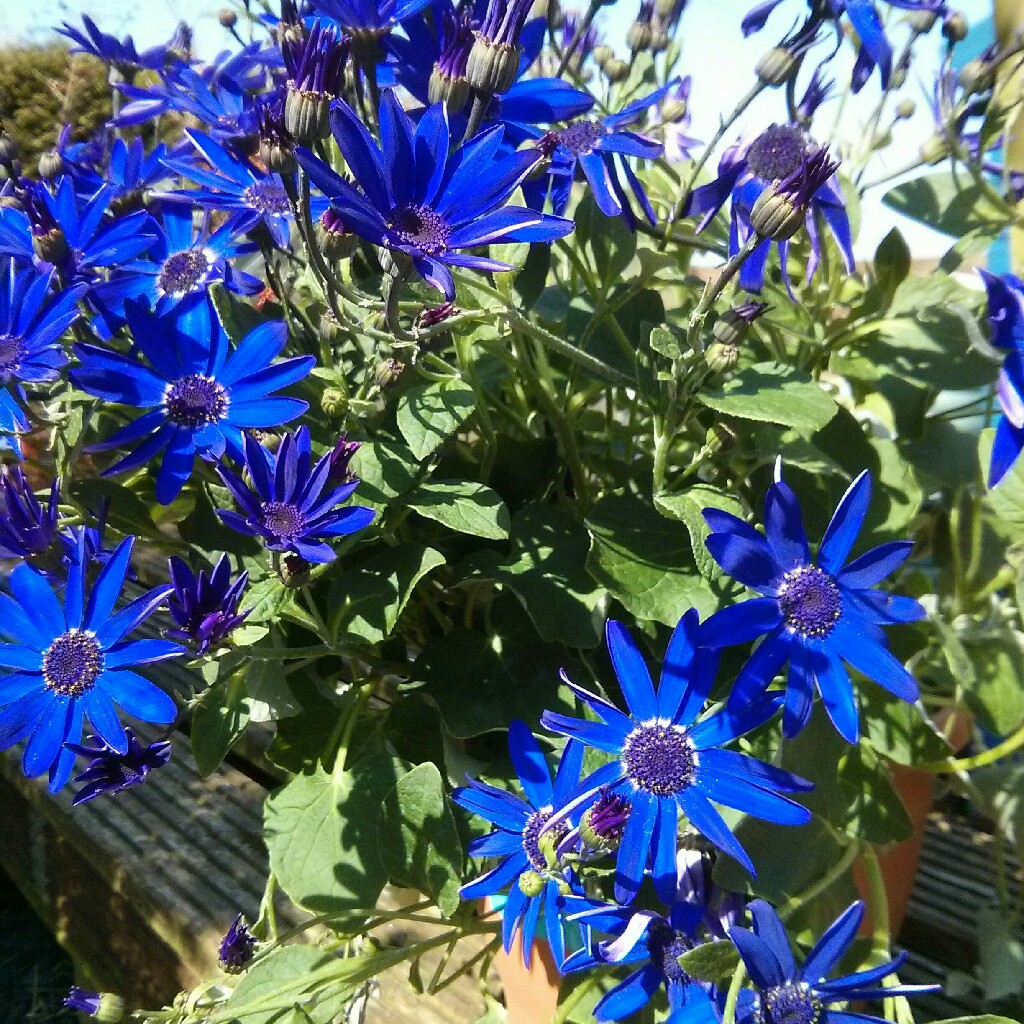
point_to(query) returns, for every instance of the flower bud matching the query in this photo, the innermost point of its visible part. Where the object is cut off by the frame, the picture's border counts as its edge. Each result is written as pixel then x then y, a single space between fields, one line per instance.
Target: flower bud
pixel 905 110
pixel 227 17
pixel 954 27
pixel 492 67
pixel 104 1007
pixel 721 358
pixel 332 331
pixel 307 115
pixel 775 216
pixel 898 78
pixel 719 438
pixel 276 156
pixel 732 326
pixel 665 8
pixel 921 21
pixel 432 316
pixel 602 825
pixel 237 947
pixel 602 54
pixel 52 247
pixel 388 372
pixel 334 403
pixel 547 843
pixel 450 89
pixel 336 242
pixel 975 76
pixel 616 70
pixel 659 39
pixel 50 165
pixel 638 36
pixel 776 67
pixel 531 884
pixel 293 570
pixel 935 150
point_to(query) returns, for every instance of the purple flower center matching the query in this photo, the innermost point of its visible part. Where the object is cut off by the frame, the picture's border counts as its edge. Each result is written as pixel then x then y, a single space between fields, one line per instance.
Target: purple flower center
pixel 72 663
pixel 580 138
pixel 810 601
pixel 531 837
pixel 195 401
pixel 665 947
pixel 268 196
pixel 12 351
pixel 283 519
pixel 659 758
pixel 182 271
pixel 791 1003
pixel 421 227
pixel 777 152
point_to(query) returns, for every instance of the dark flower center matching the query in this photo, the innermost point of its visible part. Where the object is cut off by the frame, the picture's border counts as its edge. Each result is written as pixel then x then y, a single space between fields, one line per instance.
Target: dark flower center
pixel 777 152
pixel 422 227
pixel 531 837
pixel 12 351
pixel 283 519
pixel 659 759
pixel 182 271
pixel 72 663
pixel 810 601
pixel 665 947
pixel 195 401
pixel 580 138
pixel 267 196
pixel 792 1003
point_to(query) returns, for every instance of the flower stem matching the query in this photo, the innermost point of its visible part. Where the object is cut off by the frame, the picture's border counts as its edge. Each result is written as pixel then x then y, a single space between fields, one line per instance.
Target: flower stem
pixel 732 997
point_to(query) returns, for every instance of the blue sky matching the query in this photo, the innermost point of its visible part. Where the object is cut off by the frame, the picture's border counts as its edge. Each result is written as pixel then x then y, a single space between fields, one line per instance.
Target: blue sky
pixel 714 52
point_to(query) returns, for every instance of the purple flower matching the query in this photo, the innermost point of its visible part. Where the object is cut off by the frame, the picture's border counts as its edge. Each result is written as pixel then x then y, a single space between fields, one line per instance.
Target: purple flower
pixel 26 527
pixel 237 947
pixel 111 772
pixel 205 605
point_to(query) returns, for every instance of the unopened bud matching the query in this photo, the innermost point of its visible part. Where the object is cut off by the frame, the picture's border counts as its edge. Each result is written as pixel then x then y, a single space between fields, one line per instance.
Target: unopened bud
pixel 659 39
pixel 276 156
pixel 638 36
pixel 334 239
pixel 719 438
pixel 721 358
pixel 227 17
pixel 104 1007
pixel 905 110
pixel 492 67
pixel 774 216
pixel 602 54
pixel 975 76
pixel 450 89
pixel 898 78
pixel 50 165
pixel 307 115
pixel 531 884
pixel 331 330
pixel 293 570
pixel 921 21
pixel 731 327
pixel 954 27
pixel 335 403
pixel 776 67
pixel 616 70
pixel 52 247
pixel 935 150
pixel 388 372
pixel 665 8
pixel 602 825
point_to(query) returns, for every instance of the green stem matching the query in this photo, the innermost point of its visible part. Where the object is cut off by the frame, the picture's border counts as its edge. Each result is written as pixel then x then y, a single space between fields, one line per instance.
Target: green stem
pixel 878 900
pixel 732 997
pixel 581 31
pixel 1012 743
pixel 815 889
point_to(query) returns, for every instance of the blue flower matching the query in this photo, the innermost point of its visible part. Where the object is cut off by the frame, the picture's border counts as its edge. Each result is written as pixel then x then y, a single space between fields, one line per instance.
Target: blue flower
pixel 748 169
pixel 536 885
pixel 787 994
pixel 199 394
pixel 236 186
pixel 72 660
pixel 416 198
pixel 368 16
pixel 26 527
pixel 292 504
pixel 1006 321
pixel 110 49
pixel 601 148
pixel 237 947
pixel 112 771
pixel 652 943
pixel 184 261
pixel 816 615
pixel 205 605
pixel 666 761
pixel 32 322
pixel 70 233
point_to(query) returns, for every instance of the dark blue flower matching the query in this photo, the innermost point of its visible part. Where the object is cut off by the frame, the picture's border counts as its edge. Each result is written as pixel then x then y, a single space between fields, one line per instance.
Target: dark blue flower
pixel 601 148
pixel 787 994
pixel 71 660
pixel 205 604
pixel 1006 321
pixel 745 171
pixel 237 947
pixel 26 527
pixel 536 884
pixel 121 52
pixel 816 615
pixel 368 16
pixel 198 392
pixel 652 943
pixel 236 186
pixel 32 322
pixel 111 771
pixel 416 198
pixel 87 544
pixel 292 504
pixel 666 761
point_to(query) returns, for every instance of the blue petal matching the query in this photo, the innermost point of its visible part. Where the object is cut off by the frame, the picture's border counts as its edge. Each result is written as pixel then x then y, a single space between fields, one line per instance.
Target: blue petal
pixel 593 734
pixel 530 764
pixel 739 791
pixel 751 564
pixel 124 621
pixel 44 746
pixel 105 722
pixel 496 879
pixel 837 694
pixel 845 524
pixel 768 926
pixel 865 20
pixel 740 623
pixel 664 846
pixel 796 712
pixel 760 958
pixel 504 809
pixel 140 652
pixel 139 697
pixel 60 769
pixel 631 671
pixel 833 944
pixel 784 528
pixel 710 824
pixel 37 600
pixel 1006 447
pixel 628 996
pixel 873 660
pixel 729 723
pixel 107 588
pixel 873 566
pixel 635 845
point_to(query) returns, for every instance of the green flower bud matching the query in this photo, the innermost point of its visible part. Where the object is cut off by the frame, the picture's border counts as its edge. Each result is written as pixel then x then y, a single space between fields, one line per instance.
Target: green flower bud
pixel 531 884
pixel 905 110
pixel 227 17
pixel 335 403
pixel 776 67
pixel 50 165
pixel 332 331
pixel 898 78
pixel 307 115
pixel 450 89
pixel 935 150
pixel 774 216
pixel 388 372
pixel 721 358
pixel 665 8
pixel 719 438
pixel 334 239
pixel 51 247
pixel 975 76
pixel 492 67
pixel 602 54
pixel 616 70
pixel 276 156
pixel 921 21
pixel 547 843
pixel 638 36
pixel 954 27
pixel 659 39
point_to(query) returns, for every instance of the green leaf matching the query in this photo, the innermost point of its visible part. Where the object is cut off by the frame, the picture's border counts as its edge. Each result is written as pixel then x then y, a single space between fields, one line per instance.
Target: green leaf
pixel 996 692
pixel 218 722
pixel 952 204
pixel 774 393
pixel 266 599
pixel 687 507
pixel 270 696
pixel 421 844
pixel 321 832
pixel 984 1018
pixel 665 341
pixel 1001 955
pixel 607 240
pixel 430 413
pixel 282 969
pixel 645 560
pixel 385 471
pixel 546 569
pixel 371 598
pixel 236 316
pixel 711 961
pixel 899 730
pixel 892 263
pixel 463 506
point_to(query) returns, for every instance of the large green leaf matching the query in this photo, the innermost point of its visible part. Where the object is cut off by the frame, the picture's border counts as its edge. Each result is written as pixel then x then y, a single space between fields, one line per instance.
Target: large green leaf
pixel 606 240
pixel 279 977
pixel 385 470
pixel 645 560
pixel 218 721
pixel 418 834
pixel 711 961
pixel 687 507
pixel 430 413
pixel 323 837
pixel 995 689
pixel 463 506
pixel 778 394
pixel 952 204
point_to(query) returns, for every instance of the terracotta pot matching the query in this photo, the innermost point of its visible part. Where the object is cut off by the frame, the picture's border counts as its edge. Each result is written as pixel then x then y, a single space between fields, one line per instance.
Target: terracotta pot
pixel 531 994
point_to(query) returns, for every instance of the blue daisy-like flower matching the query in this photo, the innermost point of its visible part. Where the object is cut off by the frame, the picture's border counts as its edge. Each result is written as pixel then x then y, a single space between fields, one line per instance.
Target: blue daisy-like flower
pixel 416 198
pixel 92 40
pixel 204 605
pixel 1006 321
pixel 293 503
pixel 198 393
pixel 745 171
pixel 111 771
pixel 236 186
pixel 32 322
pixel 787 994
pixel 652 943
pixel 666 761
pixel 814 614
pixel 27 528
pixel 535 885
pixel 71 659
pixel 376 17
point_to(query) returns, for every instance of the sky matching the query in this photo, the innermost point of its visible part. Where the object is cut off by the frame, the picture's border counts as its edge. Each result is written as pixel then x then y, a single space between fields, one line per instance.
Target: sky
pixel 714 52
